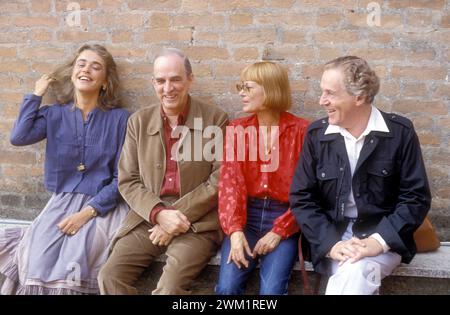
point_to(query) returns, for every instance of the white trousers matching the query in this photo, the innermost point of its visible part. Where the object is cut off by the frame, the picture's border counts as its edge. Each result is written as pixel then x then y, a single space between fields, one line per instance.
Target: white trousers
pixel 362 277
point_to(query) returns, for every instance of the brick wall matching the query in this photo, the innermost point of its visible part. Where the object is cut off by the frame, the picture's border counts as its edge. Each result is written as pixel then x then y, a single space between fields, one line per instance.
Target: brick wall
pixel 409 48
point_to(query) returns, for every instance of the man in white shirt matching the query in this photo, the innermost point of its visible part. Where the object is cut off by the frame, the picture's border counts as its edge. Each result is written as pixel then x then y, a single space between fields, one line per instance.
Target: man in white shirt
pixel 360 189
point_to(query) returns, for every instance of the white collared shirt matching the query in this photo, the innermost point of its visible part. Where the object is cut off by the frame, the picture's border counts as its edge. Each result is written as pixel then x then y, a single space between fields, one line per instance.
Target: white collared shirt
pixel 353 146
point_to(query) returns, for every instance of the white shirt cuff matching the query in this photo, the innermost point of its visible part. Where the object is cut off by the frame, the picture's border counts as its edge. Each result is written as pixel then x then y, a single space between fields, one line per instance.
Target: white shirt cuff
pixel 380 240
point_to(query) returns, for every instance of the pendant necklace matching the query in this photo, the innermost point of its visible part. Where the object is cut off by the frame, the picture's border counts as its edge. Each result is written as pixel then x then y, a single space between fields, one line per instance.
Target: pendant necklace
pixel 81 166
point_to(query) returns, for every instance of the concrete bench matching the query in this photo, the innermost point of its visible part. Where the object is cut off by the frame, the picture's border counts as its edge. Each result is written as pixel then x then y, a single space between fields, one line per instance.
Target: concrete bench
pixel 428 273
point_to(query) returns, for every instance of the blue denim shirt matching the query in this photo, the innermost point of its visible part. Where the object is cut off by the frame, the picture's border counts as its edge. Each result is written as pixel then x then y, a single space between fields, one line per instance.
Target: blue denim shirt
pixel 96 143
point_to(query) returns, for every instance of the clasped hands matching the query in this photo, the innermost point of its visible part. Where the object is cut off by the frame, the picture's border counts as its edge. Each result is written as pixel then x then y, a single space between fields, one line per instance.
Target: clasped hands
pixel 355 249
pixel 170 223
pixel 240 247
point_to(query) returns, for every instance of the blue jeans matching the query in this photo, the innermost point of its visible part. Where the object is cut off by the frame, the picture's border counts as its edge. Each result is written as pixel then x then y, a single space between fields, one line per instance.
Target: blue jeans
pixel 275 267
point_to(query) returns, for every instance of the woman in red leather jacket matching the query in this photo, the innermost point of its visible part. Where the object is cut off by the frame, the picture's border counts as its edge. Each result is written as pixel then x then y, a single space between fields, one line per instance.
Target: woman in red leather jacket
pixel 261 152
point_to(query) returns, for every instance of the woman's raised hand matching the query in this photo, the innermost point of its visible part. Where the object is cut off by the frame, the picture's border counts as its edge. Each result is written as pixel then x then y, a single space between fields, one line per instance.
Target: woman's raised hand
pixel 42 84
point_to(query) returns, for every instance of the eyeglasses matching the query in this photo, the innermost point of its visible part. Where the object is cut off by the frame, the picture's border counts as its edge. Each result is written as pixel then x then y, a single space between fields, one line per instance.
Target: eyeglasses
pixel 243 87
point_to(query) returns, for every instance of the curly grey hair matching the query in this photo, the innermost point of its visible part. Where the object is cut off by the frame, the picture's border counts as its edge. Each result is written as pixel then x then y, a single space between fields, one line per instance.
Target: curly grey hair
pixel 359 78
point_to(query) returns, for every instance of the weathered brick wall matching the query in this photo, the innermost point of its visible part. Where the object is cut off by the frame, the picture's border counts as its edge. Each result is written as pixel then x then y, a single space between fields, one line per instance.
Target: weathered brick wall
pixel 409 49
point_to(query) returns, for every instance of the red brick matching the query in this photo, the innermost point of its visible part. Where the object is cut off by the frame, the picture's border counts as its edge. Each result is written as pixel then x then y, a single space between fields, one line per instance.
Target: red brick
pixel 259 36
pixel 30 21
pixel 220 5
pixel 389 88
pixel 121 21
pixel 297 53
pixel 63 5
pixel 201 70
pixel 327 54
pixel 386 21
pixel 42 36
pixel 411 106
pixel 42 67
pixel 122 36
pixel 417 4
pixel 206 36
pixel 381 38
pixel 199 21
pixel 151 5
pixel 17 157
pixel 15 37
pixel 299 86
pixel 247 53
pixel 127 52
pixel 127 68
pixel 421 55
pixel 241 19
pixel 8 82
pixel 342 4
pixel 423 121
pixel 285 18
pixel 16 66
pixel 419 19
pixel 12 98
pixel 7 7
pixel 444 123
pixel 159 20
pixel 42 6
pixel 419 73
pixel 312 71
pixel 337 37
pixel 229 70
pixel 159 35
pixel 293 37
pixel 329 19
pixel 112 5
pixel 285 4
pixel 194 5
pixel 415 89
pixel 80 37
pixel 208 86
pixel 429 139
pixel 136 84
pixel 445 21
pixel 41 52
pixel 443 90
pixel 379 53
pixel 206 53
pixel 8 51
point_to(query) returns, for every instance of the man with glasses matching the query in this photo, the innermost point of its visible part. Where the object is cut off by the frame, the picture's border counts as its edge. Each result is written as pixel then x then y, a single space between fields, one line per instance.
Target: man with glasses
pixel 173 200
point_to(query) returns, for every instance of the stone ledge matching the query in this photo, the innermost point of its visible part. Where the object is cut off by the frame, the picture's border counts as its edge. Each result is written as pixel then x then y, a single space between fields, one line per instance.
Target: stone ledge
pixel 424 265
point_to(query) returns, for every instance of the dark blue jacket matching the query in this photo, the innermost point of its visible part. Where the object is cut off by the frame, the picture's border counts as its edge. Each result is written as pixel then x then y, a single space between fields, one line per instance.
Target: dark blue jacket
pixel 390 187
pixel 97 142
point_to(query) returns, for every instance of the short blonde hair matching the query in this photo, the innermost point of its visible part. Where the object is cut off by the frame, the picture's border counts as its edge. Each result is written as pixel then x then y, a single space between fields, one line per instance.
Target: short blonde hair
pixel 359 78
pixel 275 82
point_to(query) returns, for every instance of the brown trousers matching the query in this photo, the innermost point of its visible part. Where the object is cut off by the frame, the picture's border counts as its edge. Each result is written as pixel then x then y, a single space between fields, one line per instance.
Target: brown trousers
pixel 187 255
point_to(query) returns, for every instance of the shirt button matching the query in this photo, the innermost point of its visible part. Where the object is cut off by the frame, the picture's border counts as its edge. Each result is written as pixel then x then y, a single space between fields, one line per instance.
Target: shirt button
pixel 341 169
pixel 170 179
pixel 265 186
pixel 364 235
pixel 358 195
pixel 371 140
pixel 323 174
pixel 384 172
pixel 158 165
